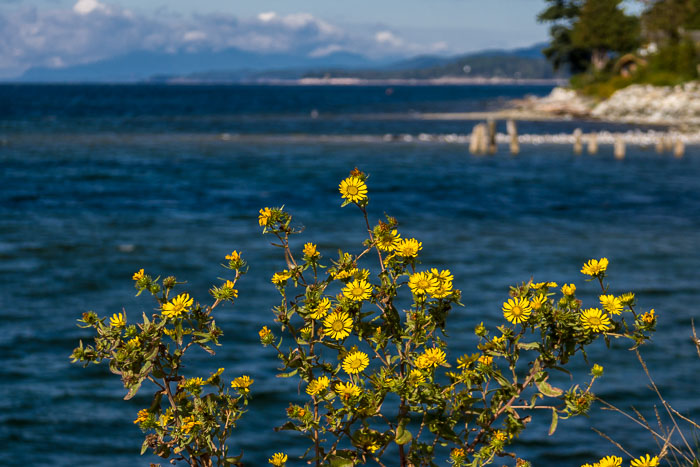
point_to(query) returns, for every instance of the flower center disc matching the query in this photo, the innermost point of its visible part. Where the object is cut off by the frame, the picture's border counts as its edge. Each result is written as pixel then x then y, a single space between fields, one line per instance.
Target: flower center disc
pixel 357 291
pixel 352 190
pixel 423 284
pixel 594 321
pixel 337 325
pixel 516 311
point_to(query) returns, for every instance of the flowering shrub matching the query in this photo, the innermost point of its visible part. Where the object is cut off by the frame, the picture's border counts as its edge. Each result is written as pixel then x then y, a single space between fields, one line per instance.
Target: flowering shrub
pixel 377 377
pixel 367 331
pixel 190 418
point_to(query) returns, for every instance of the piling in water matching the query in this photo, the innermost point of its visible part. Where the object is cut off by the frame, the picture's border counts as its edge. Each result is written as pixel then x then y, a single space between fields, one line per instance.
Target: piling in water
pixel 477 142
pixel 593 143
pixel 578 141
pixel 660 145
pixel 679 149
pixel 492 136
pixel 619 148
pixel 513 137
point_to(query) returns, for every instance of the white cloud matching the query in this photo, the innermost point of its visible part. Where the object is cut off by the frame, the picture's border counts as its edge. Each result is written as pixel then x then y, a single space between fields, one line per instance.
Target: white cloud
pixel 267 16
pixel 193 36
pixel 326 50
pixel 92 30
pixel 85 7
pixel 388 38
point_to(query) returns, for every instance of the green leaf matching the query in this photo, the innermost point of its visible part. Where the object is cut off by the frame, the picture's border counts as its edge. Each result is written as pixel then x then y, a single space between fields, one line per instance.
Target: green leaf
pixel 341 462
pixel 547 389
pixel 529 345
pixel 132 391
pixel 144 446
pixel 555 420
pixel 403 436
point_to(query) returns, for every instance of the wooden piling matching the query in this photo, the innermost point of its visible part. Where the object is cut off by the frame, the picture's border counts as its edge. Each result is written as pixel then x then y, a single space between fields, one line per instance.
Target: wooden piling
pixel 593 144
pixel 513 136
pixel 578 143
pixel 660 145
pixel 679 149
pixel 493 147
pixel 619 149
pixel 477 142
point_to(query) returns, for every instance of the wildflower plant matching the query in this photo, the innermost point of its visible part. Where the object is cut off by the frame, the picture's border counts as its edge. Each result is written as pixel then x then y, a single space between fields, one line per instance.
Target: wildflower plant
pixel 376 373
pixel 190 417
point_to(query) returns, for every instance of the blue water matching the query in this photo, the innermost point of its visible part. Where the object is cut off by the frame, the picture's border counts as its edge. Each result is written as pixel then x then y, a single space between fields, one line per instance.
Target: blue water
pixel 100 181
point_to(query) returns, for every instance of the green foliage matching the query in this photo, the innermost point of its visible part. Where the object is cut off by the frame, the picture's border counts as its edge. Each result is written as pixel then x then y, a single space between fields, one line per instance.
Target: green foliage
pixel 189 419
pixel 603 27
pixel 364 333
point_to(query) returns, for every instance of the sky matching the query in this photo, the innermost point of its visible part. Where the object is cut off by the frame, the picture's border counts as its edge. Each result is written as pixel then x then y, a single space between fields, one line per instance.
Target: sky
pixel 60 33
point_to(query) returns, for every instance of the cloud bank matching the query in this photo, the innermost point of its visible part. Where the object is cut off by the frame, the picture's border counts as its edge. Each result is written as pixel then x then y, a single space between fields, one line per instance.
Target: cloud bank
pixel 92 30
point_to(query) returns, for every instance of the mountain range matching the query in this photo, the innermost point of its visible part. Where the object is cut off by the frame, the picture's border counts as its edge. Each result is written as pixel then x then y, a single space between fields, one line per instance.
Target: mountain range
pixel 234 65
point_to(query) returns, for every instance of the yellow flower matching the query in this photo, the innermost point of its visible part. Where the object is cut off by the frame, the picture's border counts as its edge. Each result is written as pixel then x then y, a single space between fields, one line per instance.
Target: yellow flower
pixel 177 306
pixel 213 376
pixel 358 290
pixel 442 290
pixel 430 358
pixel 347 390
pixel 457 454
pixel 649 317
pixel 234 256
pixel 142 416
pixel 242 382
pixel 353 189
pixel 537 302
pixel 317 385
pixel 595 267
pixel 645 461
pixel 138 275
pixel 133 343
pixel 279 278
pixel 321 309
pixel 611 304
pixel 517 310
pixel 310 250
pixel 485 360
pixel 421 282
pixel 567 289
pixel 610 461
pixel 388 240
pixel 337 325
pixel 463 362
pixel 355 362
pixel 188 423
pixel 264 332
pixel 595 320
pixel 500 436
pixel 278 459
pixel 540 285
pixel 409 247
pixel 416 377
pixel 627 298
pixel 164 419
pixel 264 217
pixel 117 320
pixel 443 276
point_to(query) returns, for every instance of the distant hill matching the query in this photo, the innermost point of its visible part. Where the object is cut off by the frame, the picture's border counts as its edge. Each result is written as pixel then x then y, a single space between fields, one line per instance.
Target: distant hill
pixel 234 65
pixel 139 66
pixel 525 63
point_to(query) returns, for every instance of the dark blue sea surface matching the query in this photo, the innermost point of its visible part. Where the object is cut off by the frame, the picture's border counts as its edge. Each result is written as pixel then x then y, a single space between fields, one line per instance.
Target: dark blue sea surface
pixel 100 181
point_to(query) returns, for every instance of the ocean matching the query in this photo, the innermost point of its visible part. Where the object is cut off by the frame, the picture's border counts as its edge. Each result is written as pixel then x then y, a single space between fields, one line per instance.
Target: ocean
pixel 100 181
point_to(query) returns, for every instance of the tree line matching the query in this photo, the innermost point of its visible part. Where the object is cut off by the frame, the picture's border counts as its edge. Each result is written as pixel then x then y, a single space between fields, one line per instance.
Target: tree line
pixel 591 36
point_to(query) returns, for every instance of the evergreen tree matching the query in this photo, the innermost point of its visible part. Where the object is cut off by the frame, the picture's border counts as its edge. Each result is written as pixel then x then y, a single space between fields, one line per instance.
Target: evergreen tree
pixel 561 51
pixel 604 28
